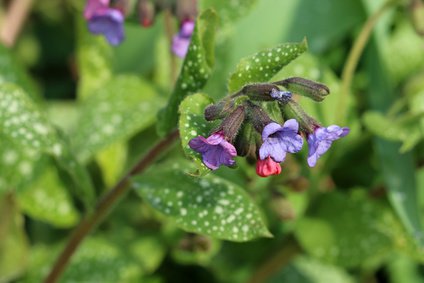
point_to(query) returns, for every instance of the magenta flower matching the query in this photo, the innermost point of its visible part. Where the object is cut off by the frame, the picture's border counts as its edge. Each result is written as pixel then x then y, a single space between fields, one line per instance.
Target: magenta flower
pixel 181 41
pixel 278 140
pixel 215 150
pixel 105 20
pixel 321 139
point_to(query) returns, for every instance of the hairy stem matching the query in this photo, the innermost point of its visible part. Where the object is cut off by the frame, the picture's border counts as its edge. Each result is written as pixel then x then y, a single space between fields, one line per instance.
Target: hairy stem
pixel 273 264
pixel 353 59
pixel 104 206
pixel 14 20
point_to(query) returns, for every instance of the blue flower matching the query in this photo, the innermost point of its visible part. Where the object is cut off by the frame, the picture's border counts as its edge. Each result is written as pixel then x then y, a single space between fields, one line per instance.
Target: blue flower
pixel 105 20
pixel 321 139
pixel 181 41
pixel 278 140
pixel 215 150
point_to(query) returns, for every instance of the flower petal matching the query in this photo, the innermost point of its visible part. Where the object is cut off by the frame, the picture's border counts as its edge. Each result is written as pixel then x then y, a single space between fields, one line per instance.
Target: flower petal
pixel 108 22
pixel 270 129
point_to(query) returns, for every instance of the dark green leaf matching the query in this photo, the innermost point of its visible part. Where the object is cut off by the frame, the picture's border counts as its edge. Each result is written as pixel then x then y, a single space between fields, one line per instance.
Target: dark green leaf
pixel 195 71
pixel 345 230
pixel 262 66
pixel 209 205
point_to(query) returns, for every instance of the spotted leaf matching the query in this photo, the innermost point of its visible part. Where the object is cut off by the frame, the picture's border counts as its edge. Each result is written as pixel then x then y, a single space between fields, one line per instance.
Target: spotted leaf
pixel 114 113
pixel 346 230
pixel 192 123
pixel 211 205
pixel 23 123
pixel 262 66
pixel 195 71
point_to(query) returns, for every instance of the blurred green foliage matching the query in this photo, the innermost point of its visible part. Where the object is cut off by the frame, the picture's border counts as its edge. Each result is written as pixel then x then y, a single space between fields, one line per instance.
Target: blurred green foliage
pixel 76 114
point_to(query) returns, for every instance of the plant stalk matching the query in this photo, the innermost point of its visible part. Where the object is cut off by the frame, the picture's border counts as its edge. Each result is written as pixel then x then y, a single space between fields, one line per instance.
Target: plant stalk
pixel 104 206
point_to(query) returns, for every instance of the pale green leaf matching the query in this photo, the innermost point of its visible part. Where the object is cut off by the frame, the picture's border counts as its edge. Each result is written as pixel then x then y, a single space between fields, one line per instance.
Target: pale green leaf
pixel 46 199
pixel 229 11
pixel 94 57
pixel 13 242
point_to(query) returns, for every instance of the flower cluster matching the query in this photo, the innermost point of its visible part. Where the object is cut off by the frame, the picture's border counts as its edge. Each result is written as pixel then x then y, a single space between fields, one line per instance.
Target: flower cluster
pixel 107 17
pixel 270 141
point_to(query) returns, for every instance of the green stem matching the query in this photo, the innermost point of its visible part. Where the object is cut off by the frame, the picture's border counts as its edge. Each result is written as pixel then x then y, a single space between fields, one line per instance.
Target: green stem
pixel 104 206
pixel 273 264
pixel 353 59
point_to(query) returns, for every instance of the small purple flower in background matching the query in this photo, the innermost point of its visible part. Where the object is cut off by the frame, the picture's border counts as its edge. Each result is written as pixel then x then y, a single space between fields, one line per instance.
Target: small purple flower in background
pixel 105 20
pixel 181 41
pixel 278 140
pixel 321 139
pixel 215 150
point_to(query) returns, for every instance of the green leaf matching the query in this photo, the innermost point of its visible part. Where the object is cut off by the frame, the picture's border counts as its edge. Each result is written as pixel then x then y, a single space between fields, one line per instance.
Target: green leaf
pixel 192 124
pixel 306 270
pixel 13 242
pixel 229 11
pixel 46 199
pixel 345 230
pixel 17 165
pixel 12 72
pixel 195 71
pixel 114 113
pixel 263 65
pixel 22 122
pixel 211 205
pixel 94 57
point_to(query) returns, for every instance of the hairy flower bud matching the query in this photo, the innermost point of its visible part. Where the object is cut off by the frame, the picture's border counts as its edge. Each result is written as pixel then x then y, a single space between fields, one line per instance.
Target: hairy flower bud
pixel 231 124
pixel 246 142
pixel 257 116
pixel 293 110
pixel 308 88
pixel 146 12
pixel 417 15
pixel 218 110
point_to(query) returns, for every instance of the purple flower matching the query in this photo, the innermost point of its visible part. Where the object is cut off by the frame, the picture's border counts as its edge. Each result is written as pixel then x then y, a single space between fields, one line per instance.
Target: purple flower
pixel 181 41
pixel 321 139
pixel 215 150
pixel 278 140
pixel 104 20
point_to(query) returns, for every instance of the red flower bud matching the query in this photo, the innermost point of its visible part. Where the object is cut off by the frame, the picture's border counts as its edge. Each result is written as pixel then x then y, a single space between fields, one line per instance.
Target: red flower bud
pixel 267 167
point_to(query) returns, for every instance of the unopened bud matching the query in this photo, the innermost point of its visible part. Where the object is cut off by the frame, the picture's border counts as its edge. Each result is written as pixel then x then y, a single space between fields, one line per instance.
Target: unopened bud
pixel 231 124
pixel 218 110
pixel 246 141
pixel 258 92
pixel 308 88
pixel 293 110
pixel 258 117
pixel 417 16
pixel 146 12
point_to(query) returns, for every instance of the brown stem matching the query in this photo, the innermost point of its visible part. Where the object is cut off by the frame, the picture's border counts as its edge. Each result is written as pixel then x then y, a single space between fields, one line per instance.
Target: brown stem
pixel 14 20
pixel 104 206
pixel 273 264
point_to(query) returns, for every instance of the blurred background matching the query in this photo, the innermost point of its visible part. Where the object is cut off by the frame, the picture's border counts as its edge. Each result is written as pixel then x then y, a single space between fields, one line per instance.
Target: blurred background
pixel 357 217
